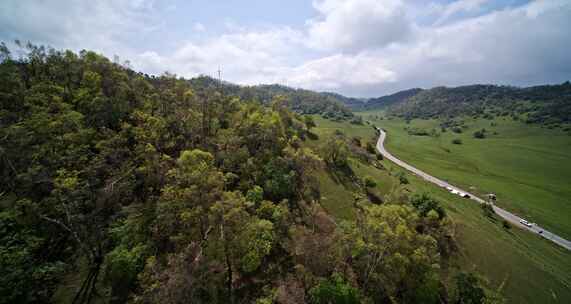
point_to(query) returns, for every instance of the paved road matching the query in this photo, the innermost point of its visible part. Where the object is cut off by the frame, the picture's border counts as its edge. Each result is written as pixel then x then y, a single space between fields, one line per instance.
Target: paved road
pixel 510 217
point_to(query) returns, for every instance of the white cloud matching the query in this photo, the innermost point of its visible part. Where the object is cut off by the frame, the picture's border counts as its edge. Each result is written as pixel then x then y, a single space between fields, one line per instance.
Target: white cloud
pixel 97 25
pixel 447 11
pixel 246 57
pixel 199 27
pixel 353 25
pixel 332 72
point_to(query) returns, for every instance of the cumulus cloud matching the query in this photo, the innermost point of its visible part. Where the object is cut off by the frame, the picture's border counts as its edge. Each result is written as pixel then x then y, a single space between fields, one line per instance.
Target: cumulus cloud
pixel 246 57
pixel 354 25
pixel 98 25
pixel 332 72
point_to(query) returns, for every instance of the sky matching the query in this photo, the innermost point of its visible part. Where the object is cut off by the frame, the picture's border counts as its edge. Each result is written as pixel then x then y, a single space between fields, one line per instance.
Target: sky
pixel 360 48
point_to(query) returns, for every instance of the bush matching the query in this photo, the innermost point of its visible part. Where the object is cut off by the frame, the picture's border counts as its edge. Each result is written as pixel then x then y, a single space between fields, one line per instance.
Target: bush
pixel 506 225
pixel 488 210
pixel 371 148
pixel 417 132
pixel 402 178
pixel 457 141
pixel 425 204
pixel 334 290
pixel 357 120
pixel 457 130
pixel 356 141
pixel 370 182
pixel 480 134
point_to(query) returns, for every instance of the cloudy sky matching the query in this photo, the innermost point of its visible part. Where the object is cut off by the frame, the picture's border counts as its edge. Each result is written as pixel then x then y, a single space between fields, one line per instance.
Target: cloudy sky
pixel 358 48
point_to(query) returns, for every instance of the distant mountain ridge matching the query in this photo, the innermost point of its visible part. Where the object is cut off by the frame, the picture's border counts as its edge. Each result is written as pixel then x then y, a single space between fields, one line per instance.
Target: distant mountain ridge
pixel 389 100
pixel 545 104
pixel 329 105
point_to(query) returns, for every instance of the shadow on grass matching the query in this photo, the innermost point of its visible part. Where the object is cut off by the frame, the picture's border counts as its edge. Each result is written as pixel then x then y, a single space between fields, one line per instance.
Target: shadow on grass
pixel 342 175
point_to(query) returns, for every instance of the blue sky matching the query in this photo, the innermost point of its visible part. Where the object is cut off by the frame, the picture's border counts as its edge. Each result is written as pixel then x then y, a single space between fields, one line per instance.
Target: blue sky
pixel 355 47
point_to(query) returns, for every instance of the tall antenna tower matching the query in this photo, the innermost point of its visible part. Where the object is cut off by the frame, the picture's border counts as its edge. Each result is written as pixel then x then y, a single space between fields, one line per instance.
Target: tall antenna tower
pixel 220 80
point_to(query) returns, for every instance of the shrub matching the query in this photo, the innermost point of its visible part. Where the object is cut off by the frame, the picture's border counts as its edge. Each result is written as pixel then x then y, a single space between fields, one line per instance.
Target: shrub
pixel 488 210
pixel 506 225
pixel 457 130
pixel 356 141
pixel 371 148
pixel 402 178
pixel 357 120
pixel 334 290
pixel 457 141
pixel 370 182
pixel 480 134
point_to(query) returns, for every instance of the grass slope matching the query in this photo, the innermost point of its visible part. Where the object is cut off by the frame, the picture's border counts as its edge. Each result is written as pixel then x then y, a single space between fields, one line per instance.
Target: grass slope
pixel 526 268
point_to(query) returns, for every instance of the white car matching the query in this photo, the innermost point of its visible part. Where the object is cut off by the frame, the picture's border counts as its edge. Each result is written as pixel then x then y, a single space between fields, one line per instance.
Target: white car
pixel 525 223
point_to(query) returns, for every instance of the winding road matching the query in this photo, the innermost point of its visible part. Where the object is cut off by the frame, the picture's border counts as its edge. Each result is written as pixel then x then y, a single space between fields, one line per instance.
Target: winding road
pixel 508 216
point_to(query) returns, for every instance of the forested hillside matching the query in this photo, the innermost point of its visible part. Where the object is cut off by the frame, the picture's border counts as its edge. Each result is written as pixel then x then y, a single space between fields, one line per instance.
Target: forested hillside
pixel 548 105
pixel 119 187
pixel 329 105
pixel 385 101
pixel 301 101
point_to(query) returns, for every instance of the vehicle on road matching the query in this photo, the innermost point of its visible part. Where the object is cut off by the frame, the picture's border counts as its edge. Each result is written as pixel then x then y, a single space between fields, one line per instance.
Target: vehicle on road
pixel 525 223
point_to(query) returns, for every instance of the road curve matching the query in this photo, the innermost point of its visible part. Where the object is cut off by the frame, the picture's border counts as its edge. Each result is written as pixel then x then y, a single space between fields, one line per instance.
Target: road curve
pixel 508 216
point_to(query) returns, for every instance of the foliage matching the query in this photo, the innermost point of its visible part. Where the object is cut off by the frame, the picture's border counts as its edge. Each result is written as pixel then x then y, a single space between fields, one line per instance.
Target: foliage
pixel 122 186
pixel 425 204
pixel 390 257
pixel 335 152
pixel 334 290
pixel 370 182
pixel 547 104
pixel 488 211
pixel 480 134
pixel 402 178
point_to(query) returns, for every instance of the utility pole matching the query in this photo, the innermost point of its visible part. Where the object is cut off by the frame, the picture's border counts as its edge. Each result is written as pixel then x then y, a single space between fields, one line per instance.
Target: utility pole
pixel 220 79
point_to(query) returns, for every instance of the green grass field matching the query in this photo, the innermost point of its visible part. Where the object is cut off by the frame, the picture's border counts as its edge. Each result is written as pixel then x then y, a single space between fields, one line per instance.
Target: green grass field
pixel 528 167
pixel 526 268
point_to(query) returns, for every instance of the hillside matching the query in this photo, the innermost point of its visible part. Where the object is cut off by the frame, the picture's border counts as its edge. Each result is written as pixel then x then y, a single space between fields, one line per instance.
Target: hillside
pixel 302 101
pixel 330 105
pixel 122 187
pixel 388 100
pixel 526 268
pixel 548 105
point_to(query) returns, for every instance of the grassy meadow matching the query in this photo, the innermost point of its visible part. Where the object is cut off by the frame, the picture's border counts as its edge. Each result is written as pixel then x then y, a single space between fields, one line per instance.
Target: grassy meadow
pixel 524 267
pixel 526 166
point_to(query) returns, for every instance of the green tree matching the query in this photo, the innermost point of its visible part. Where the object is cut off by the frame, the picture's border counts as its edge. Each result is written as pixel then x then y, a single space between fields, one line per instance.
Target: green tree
pixel 334 290
pixel 391 258
pixel 335 152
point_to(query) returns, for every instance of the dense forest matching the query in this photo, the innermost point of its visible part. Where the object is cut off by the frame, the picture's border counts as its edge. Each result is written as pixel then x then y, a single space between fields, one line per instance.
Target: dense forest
pixel 301 101
pixel 548 105
pixel 121 187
